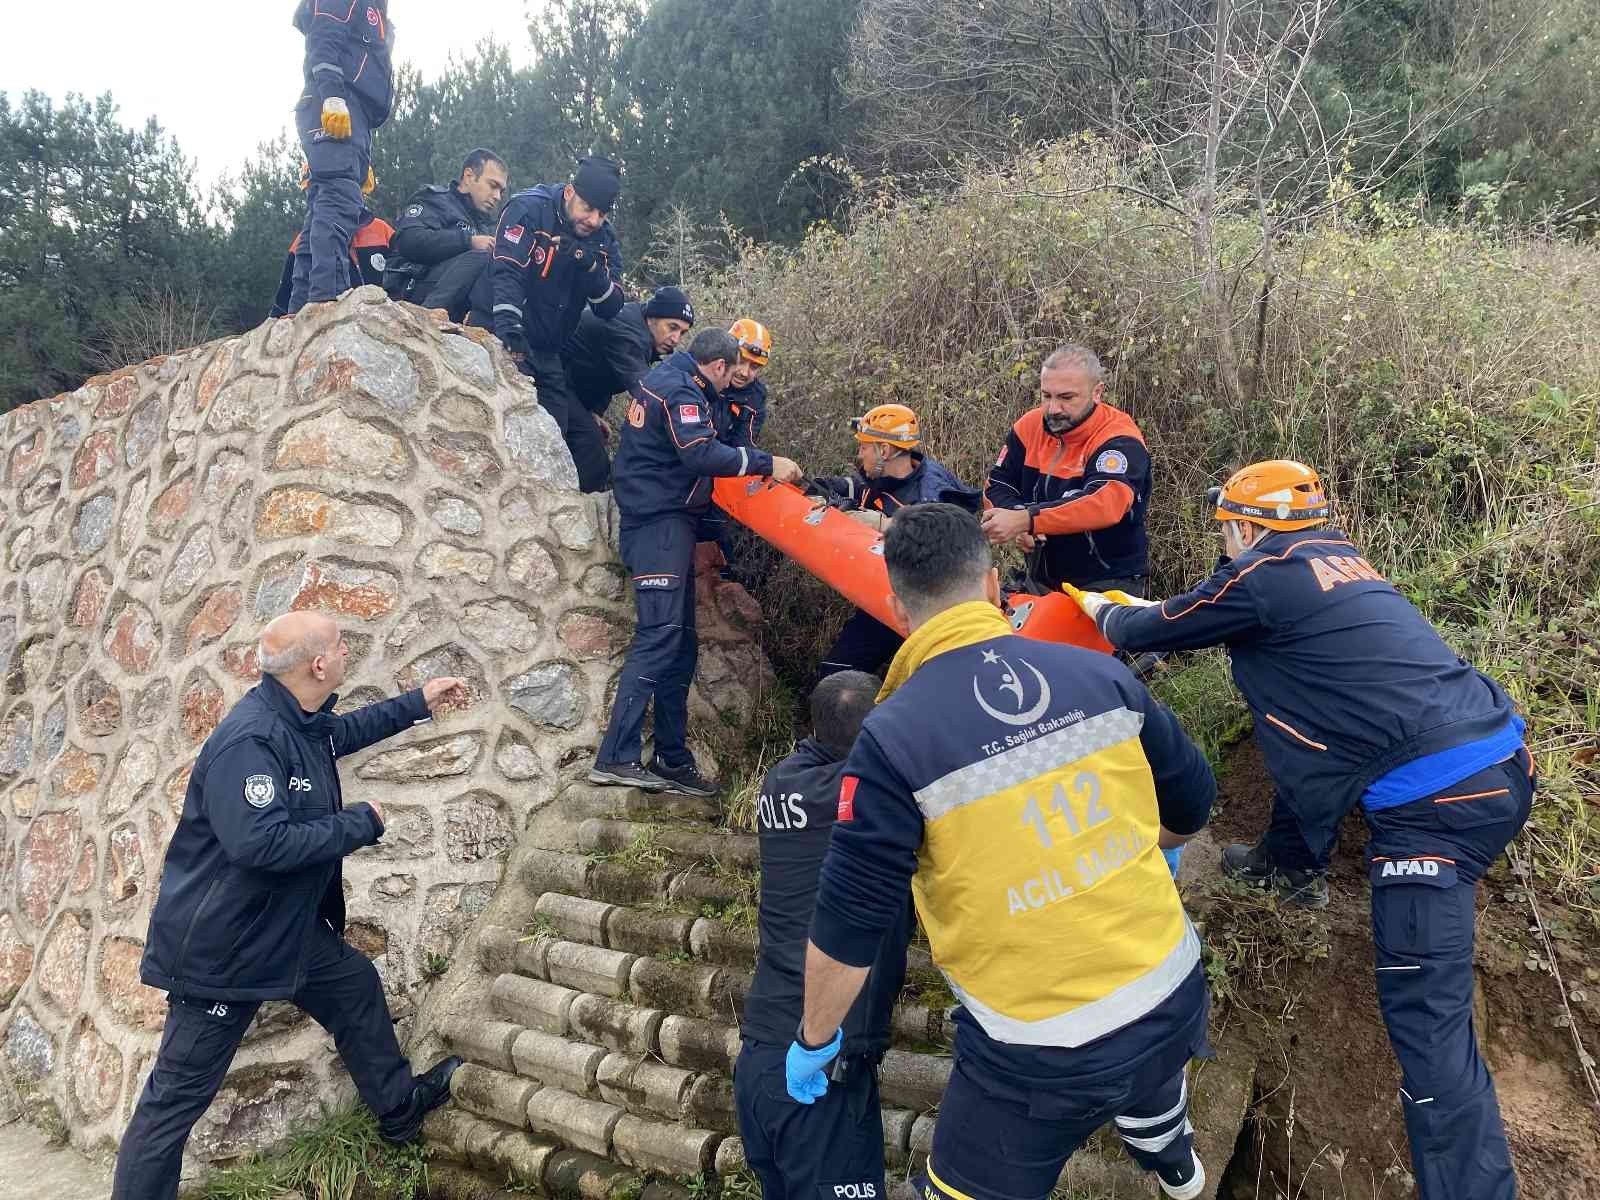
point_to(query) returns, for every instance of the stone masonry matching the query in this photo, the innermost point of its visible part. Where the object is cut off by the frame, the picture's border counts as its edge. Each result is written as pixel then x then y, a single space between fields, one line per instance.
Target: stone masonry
pixel 364 460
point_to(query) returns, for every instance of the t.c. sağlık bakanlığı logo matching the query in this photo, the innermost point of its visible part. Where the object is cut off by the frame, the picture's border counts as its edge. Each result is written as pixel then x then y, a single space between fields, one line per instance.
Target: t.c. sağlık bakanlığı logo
pixel 1003 691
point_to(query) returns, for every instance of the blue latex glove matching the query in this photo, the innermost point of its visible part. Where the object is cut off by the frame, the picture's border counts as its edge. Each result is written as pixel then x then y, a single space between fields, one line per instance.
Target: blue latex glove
pixel 1172 856
pixel 803 1069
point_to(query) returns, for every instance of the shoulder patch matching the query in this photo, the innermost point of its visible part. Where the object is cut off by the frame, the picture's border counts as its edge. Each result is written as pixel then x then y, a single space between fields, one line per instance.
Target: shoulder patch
pixel 514 234
pixel 1112 462
pixel 414 211
pixel 689 413
pixel 847 798
pixel 259 790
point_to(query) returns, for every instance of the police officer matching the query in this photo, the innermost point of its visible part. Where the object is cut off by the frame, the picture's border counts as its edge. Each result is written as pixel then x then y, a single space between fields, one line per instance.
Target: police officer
pixel 670 451
pixel 445 237
pixel 1022 789
pixel 603 358
pixel 804 1151
pixel 892 472
pixel 251 906
pixel 1072 483
pixel 1357 700
pixel 555 252
pixel 349 88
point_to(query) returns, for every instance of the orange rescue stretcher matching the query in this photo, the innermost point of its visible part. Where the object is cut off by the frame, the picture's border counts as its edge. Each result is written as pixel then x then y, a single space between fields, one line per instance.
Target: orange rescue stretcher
pixel 848 557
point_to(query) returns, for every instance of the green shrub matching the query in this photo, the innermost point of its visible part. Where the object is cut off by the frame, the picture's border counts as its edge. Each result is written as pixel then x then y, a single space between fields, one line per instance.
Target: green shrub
pixel 1444 379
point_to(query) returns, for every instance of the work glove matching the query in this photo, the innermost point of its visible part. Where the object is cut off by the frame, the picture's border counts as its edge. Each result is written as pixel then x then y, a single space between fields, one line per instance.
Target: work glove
pixel 514 340
pixel 336 118
pixel 1172 856
pixel 370 184
pixel 1092 603
pixel 803 1070
pixel 870 517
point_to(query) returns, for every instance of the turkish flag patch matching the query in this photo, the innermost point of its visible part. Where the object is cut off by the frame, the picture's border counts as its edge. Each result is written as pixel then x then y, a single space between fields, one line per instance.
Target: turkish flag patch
pixel 689 413
pixel 847 798
pixel 514 234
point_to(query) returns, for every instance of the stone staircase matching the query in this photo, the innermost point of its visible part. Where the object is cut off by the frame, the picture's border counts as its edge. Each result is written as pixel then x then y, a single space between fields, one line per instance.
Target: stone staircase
pixel 598 1012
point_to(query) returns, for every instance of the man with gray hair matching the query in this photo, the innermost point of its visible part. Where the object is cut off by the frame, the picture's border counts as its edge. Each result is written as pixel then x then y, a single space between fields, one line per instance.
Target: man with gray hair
pixel 1071 484
pixel 251 906
pixel 671 449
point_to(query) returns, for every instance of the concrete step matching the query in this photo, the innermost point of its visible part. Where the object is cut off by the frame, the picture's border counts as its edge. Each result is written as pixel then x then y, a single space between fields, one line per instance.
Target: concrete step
pixel 632 804
pixel 637 841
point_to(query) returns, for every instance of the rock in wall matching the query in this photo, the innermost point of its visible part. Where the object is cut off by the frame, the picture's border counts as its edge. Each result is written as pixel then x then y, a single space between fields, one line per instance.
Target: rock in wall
pixel 361 459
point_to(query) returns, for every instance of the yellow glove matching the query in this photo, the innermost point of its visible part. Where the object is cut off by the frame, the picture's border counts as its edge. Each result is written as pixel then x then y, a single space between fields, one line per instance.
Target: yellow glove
pixel 371 183
pixel 1117 596
pixel 1090 602
pixel 336 118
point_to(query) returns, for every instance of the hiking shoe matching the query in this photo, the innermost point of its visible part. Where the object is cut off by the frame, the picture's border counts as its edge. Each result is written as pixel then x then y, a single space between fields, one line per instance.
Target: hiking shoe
pixel 685 780
pixel 430 1091
pixel 1250 864
pixel 626 774
pixel 1191 1183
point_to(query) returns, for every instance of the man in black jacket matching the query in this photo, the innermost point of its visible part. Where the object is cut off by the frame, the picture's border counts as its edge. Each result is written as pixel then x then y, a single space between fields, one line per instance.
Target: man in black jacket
pixel 445 237
pixel 603 358
pixel 348 91
pixel 802 1151
pixel 251 906
pixel 671 450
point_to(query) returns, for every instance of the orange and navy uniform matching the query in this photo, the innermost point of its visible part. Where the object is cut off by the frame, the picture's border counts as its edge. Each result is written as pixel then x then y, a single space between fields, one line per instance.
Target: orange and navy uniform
pixel 672 447
pixel 1348 683
pixel 742 412
pixel 1086 491
pixel 348 48
pixel 544 273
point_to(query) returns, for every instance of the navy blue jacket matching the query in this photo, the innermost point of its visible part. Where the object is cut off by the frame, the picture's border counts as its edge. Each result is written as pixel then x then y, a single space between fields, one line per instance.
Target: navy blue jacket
pixel 437 223
pixel 255 858
pixel 544 273
pixel 795 813
pixel 671 446
pixel 348 47
pixel 606 357
pixel 929 482
pixel 741 413
pixel 1345 678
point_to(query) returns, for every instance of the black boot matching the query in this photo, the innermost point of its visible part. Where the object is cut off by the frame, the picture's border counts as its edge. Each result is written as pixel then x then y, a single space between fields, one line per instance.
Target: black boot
pixel 1252 865
pixel 430 1091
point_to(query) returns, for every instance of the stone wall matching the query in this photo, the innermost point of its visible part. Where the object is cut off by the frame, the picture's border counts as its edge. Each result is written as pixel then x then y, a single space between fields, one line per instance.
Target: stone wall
pixel 361 459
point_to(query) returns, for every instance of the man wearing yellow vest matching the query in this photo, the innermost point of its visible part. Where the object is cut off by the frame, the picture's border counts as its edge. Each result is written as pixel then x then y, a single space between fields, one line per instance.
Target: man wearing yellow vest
pixel 1025 791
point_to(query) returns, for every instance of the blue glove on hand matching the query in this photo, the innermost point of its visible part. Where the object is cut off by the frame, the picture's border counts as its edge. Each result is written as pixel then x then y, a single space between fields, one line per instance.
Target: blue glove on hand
pixel 1172 856
pixel 803 1069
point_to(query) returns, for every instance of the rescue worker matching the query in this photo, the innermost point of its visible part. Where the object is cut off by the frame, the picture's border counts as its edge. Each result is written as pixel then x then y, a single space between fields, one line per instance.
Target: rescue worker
pixel 804 1151
pixel 1357 700
pixel 892 472
pixel 741 414
pixel 1072 483
pixel 603 358
pixel 669 453
pixel 251 904
pixel 554 254
pixel 349 88
pixel 1024 791
pixel 445 237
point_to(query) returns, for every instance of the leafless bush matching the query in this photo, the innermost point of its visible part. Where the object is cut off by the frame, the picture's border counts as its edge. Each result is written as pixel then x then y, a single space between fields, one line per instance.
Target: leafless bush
pixel 159 322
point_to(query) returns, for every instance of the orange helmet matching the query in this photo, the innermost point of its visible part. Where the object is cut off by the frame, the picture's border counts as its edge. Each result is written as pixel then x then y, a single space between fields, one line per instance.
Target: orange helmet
pixel 891 424
pixel 754 338
pixel 1279 493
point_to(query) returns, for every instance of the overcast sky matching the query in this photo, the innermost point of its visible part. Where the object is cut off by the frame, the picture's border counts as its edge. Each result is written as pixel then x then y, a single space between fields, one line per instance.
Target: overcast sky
pixel 219 85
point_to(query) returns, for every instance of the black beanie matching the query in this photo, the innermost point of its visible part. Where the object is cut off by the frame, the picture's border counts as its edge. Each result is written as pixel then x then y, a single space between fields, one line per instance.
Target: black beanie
pixel 670 302
pixel 599 182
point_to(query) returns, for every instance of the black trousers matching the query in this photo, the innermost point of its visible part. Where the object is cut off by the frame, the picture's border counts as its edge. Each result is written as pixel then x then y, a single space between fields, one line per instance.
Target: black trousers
pixel 666 645
pixel 833 1148
pixel 451 284
pixel 864 644
pixel 577 423
pixel 342 993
